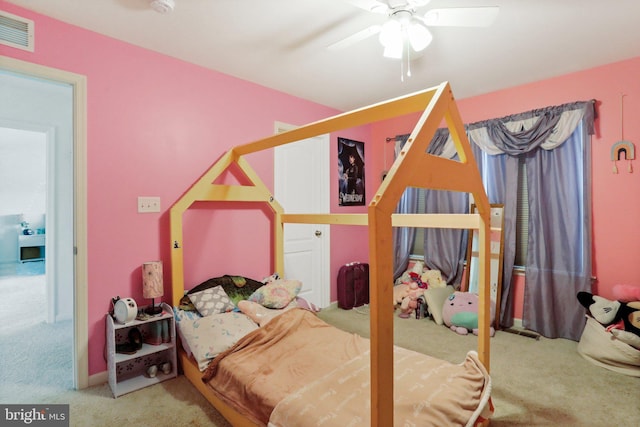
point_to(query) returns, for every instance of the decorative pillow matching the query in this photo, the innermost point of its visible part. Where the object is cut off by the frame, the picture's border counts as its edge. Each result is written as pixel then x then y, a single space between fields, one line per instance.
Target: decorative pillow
pixel 236 287
pixel 260 314
pixel 211 301
pixel 269 279
pixel 277 294
pixel 435 298
pixel 209 336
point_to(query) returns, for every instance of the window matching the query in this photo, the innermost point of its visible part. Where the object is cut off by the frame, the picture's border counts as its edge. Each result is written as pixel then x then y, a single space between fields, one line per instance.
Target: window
pixel 522 219
pixel 417 250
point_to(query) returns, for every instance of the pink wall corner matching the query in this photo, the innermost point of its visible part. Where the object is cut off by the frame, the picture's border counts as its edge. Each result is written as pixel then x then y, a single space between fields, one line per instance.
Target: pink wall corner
pixel 616 238
pixel 350 243
pixel 154 125
pixel 614 196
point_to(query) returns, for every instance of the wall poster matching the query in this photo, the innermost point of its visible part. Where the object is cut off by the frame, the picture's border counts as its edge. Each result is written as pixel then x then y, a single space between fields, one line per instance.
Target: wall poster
pixel 351 172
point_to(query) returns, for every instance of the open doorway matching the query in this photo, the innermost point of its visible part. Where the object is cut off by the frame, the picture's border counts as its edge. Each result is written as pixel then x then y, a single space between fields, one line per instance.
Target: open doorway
pixel 58 266
pixel 36 313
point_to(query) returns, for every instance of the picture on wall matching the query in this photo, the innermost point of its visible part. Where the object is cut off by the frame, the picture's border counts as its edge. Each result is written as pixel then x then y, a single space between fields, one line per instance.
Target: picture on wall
pixel 351 172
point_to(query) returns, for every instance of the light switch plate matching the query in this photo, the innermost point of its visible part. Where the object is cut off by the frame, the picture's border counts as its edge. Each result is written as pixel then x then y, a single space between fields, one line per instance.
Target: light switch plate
pixel 148 204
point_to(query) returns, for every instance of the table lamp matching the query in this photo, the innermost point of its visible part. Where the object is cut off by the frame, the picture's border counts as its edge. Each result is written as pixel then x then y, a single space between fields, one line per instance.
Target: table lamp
pixel 152 285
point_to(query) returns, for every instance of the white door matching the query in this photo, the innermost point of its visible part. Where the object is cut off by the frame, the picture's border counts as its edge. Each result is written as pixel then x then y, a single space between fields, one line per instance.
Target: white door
pixel 302 186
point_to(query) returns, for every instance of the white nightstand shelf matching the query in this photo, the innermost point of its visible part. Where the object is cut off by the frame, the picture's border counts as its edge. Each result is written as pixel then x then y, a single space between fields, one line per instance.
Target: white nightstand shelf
pixel 128 372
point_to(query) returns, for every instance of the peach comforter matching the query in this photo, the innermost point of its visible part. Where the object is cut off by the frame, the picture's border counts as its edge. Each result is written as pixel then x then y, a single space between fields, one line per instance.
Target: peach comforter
pixel 300 371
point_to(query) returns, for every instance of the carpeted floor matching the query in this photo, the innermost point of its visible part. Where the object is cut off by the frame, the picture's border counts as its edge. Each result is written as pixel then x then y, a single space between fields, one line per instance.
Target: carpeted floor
pixel 542 382
pixel 34 354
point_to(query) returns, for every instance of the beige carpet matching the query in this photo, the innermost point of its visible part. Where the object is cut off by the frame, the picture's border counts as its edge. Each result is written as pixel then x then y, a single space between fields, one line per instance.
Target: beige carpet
pixel 34 354
pixel 535 383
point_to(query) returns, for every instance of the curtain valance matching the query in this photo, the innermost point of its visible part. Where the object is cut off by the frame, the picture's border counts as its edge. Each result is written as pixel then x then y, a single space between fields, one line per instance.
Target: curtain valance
pixel 546 128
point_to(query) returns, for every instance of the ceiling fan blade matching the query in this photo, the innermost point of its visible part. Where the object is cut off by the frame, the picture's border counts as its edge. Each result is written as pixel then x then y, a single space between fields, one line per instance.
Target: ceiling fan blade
pixel 355 38
pixel 374 6
pixel 461 16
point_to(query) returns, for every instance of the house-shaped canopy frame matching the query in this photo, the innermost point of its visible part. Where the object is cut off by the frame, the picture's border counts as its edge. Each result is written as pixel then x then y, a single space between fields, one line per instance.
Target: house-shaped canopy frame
pixel 413 167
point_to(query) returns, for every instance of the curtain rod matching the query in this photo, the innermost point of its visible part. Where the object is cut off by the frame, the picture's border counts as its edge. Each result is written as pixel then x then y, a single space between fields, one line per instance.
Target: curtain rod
pixel 395 138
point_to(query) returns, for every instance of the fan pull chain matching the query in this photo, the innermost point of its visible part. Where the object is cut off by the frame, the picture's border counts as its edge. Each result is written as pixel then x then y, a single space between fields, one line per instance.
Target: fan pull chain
pixel 408 60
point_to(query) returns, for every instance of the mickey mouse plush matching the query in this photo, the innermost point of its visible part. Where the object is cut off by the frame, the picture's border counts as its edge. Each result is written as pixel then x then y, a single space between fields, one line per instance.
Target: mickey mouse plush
pixel 620 318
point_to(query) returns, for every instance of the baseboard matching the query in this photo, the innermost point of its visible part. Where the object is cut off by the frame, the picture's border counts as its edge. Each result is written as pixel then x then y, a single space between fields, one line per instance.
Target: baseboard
pixel 518 329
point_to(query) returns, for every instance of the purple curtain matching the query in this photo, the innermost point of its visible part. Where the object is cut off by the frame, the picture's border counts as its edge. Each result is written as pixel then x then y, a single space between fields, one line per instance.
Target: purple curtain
pixel 403 236
pixel 559 187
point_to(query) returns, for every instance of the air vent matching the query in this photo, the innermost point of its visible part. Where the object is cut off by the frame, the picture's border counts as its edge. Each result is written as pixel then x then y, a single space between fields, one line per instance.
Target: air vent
pixel 16 31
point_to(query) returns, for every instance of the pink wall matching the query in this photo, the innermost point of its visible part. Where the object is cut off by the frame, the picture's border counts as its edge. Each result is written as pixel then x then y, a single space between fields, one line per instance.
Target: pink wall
pixel 155 124
pixel 616 200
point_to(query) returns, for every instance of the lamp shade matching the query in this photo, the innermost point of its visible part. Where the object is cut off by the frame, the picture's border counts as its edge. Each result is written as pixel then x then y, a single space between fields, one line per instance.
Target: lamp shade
pixel 152 285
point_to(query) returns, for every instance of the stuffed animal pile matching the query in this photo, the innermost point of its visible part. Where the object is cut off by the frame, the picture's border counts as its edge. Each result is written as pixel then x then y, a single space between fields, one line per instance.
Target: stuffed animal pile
pixel 410 287
pixel 620 317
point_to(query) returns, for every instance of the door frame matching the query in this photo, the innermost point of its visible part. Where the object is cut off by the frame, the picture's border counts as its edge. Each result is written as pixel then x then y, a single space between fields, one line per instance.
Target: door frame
pixel 80 318
pixel 324 197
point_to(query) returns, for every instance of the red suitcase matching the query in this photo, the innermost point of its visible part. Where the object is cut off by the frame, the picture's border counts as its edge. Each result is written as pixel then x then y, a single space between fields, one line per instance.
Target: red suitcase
pixel 353 285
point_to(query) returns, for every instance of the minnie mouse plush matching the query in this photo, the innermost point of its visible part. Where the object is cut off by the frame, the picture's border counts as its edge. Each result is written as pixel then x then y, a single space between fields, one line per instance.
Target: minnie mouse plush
pixel 621 318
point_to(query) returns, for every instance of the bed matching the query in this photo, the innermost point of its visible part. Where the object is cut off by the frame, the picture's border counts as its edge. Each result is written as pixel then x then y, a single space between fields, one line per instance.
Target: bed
pixel 377 359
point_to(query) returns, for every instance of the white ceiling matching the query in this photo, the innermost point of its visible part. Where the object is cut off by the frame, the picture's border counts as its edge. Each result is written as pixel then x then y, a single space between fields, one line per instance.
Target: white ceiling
pixel 282 44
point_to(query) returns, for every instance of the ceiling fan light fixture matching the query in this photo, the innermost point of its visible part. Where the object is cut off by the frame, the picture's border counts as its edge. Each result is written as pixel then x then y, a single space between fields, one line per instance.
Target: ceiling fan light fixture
pixel 419 36
pixel 390 33
pixel 393 51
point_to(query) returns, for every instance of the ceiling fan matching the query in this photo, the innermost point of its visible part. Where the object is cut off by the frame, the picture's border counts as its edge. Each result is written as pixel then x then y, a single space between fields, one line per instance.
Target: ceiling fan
pixel 406 29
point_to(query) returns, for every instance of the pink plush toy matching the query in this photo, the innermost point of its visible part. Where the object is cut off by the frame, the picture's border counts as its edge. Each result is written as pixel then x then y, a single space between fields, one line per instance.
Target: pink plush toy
pixel 460 313
pixel 410 301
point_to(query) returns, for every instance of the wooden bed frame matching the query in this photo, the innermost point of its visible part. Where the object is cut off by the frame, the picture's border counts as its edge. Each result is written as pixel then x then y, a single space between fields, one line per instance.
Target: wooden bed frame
pixel 436 104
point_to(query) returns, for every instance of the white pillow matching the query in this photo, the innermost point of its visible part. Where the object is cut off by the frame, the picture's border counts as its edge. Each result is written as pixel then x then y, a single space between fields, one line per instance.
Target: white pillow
pixel 211 335
pixel 211 301
pixel 435 298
